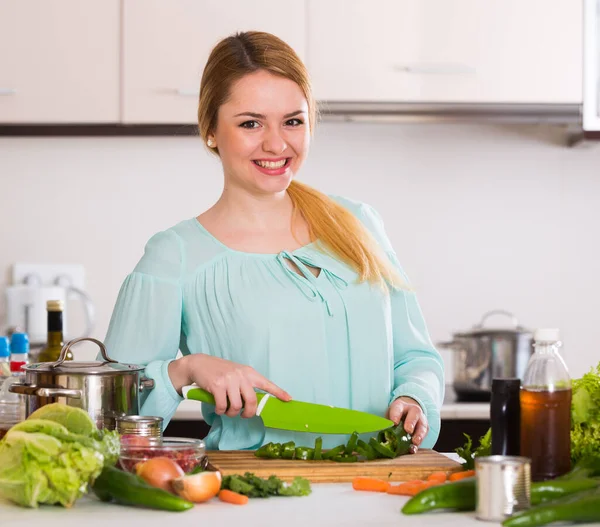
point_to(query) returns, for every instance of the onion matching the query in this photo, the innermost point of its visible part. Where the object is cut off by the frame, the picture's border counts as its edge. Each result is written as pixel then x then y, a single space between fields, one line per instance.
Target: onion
pixel 159 472
pixel 198 487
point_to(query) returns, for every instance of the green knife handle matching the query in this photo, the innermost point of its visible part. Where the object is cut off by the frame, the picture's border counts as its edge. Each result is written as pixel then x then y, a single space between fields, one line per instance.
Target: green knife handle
pixel 198 394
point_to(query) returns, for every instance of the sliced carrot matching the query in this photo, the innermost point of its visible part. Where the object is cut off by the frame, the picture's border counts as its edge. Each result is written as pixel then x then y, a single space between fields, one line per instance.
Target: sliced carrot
pixel 438 477
pixel 461 475
pixel 408 488
pixel 370 484
pixel 228 496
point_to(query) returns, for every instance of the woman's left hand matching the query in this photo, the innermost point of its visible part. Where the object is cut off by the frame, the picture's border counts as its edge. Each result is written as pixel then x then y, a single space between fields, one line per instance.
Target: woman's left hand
pixel 415 422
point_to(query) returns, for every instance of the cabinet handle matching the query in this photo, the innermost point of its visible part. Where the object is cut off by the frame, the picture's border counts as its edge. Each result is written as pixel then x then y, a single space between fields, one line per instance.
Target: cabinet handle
pixel 436 69
pixel 187 93
pixel 8 91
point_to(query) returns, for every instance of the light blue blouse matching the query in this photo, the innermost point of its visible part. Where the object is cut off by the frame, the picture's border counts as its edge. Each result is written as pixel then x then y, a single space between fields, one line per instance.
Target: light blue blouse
pixel 325 339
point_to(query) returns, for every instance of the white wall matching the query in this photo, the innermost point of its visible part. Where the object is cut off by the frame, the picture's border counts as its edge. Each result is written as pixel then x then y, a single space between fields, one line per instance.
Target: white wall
pixel 482 217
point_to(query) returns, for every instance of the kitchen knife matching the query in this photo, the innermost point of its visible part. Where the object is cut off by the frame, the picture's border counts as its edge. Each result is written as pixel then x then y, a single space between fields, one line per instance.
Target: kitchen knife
pixel 298 416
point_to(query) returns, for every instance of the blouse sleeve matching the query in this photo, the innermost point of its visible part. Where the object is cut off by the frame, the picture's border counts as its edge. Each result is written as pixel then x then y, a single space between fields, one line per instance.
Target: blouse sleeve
pixel 145 326
pixel 418 366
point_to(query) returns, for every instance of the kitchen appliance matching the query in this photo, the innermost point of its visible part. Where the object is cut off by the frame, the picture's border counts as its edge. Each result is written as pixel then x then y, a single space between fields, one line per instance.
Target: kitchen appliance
pixel 26 308
pixel 484 353
pixel 104 389
pixel 402 468
pixel 304 417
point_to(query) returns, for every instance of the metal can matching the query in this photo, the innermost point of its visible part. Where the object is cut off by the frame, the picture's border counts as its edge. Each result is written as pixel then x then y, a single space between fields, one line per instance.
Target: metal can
pixel 141 426
pixel 503 486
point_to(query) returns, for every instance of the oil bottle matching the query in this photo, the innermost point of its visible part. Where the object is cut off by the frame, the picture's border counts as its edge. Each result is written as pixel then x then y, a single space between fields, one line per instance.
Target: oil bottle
pixel 545 400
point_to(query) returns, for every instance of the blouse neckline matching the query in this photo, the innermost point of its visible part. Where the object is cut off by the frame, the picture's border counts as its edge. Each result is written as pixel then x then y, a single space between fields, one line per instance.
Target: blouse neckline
pixel 245 253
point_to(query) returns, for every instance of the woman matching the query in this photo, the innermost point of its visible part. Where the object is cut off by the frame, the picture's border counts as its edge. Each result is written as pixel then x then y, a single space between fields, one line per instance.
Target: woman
pixel 276 287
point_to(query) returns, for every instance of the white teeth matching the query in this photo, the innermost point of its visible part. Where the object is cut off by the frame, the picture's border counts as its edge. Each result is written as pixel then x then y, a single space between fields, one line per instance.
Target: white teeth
pixel 271 164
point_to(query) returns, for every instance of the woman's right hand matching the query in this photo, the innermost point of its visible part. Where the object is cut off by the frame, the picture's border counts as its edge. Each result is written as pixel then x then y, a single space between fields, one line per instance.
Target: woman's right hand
pixel 229 382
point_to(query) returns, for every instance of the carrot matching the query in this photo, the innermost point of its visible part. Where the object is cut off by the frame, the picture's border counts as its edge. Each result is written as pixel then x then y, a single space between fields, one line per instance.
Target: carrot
pixel 438 477
pixel 228 496
pixel 370 484
pixel 408 488
pixel 461 475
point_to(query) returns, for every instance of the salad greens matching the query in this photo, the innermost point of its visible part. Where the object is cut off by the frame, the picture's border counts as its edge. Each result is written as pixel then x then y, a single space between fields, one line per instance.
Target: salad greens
pixel 467 453
pixel 585 416
pixel 255 487
pixel 53 455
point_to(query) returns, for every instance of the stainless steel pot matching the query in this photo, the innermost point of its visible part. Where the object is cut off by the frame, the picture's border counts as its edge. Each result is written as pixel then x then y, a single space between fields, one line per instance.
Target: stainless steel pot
pixel 485 353
pixel 104 389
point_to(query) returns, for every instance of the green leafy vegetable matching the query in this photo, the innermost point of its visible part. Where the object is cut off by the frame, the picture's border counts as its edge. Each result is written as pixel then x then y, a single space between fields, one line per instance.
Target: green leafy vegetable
pixel 467 453
pixel 255 487
pixel 51 459
pixel 585 416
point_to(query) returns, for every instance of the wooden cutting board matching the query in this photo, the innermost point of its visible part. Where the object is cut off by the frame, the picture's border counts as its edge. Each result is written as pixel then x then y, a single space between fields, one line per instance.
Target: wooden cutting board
pixel 403 468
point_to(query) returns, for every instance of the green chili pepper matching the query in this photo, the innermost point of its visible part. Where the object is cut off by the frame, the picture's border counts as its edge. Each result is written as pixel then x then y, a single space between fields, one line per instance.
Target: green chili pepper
pixel 304 453
pixel 288 449
pixel 345 459
pixel 381 449
pixel 456 495
pixel 544 491
pixel 367 449
pixel 270 451
pixel 580 507
pixel 318 449
pixel 351 445
pixel 338 450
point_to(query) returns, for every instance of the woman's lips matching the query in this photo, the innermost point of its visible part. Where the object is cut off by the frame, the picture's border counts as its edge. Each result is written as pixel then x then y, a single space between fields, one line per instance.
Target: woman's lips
pixel 272 167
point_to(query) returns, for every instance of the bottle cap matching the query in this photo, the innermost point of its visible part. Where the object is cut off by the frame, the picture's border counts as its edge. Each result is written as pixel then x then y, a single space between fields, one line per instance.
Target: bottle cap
pixel 547 335
pixel 506 385
pixel 55 305
pixel 19 343
pixel 4 347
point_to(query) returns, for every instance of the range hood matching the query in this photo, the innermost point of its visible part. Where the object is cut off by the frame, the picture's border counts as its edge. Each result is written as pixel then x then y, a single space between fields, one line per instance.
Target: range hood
pixel 563 114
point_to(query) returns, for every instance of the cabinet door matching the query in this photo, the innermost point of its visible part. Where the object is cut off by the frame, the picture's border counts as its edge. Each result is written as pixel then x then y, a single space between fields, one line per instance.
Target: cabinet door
pixel 497 51
pixel 59 61
pixel 167 42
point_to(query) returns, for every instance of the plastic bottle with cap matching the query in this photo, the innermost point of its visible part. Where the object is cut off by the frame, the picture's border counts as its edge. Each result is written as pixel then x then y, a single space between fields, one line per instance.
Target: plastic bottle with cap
pixel 19 353
pixel 545 401
pixel 4 359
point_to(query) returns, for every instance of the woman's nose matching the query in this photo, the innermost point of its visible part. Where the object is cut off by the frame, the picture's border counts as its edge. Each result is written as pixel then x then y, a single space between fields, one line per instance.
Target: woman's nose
pixel 274 142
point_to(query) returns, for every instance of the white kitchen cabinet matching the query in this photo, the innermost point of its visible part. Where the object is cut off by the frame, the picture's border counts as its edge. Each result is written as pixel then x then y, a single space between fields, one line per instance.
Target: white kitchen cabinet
pixel 471 51
pixel 591 76
pixel 59 61
pixel 167 42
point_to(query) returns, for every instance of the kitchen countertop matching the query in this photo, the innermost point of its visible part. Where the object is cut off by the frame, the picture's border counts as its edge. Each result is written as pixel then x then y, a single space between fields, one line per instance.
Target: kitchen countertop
pixel 329 504
pixel 451 409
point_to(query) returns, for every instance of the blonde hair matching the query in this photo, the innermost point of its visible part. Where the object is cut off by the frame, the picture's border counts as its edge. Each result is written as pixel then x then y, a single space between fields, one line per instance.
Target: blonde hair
pixel 334 227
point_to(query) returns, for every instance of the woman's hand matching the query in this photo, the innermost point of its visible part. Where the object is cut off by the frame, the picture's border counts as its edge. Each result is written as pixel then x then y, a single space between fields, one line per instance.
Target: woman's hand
pixel 415 422
pixel 229 382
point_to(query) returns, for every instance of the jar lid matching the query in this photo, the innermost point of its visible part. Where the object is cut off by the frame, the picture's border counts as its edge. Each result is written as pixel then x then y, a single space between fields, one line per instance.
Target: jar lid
pixel 139 424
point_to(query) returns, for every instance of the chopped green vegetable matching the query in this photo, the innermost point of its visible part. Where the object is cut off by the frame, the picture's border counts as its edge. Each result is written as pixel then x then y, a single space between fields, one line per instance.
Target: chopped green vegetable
pixel 585 416
pixel 466 451
pixel 255 487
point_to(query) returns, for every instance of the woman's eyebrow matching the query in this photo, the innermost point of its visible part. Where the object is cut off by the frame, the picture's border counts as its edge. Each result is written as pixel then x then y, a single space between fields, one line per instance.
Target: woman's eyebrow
pixel 261 116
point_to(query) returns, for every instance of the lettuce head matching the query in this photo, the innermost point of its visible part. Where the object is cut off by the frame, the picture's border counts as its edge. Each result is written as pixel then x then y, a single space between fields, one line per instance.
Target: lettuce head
pixel 585 416
pixel 52 457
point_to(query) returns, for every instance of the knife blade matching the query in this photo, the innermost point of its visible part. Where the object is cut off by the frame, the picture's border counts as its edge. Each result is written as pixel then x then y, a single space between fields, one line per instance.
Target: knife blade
pixel 299 416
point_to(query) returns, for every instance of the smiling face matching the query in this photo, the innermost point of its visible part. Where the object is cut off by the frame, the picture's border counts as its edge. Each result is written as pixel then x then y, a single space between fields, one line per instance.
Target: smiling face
pixel 262 133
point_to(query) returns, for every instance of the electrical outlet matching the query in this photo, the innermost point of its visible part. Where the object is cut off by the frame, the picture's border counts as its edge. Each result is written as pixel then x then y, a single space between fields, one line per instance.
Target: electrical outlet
pixel 49 274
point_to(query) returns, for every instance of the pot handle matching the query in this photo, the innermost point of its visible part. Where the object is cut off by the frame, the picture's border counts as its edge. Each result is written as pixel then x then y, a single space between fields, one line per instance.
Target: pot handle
pixel 68 345
pixel 146 384
pixel 512 317
pixel 451 345
pixel 43 391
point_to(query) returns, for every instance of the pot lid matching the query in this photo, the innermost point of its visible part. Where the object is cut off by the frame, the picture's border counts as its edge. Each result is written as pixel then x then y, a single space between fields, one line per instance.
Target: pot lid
pixel 479 329
pixel 84 368
pixel 107 366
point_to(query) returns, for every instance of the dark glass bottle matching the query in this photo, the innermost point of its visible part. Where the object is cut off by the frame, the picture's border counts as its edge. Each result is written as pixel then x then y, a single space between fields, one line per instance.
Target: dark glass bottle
pixel 51 352
pixel 505 416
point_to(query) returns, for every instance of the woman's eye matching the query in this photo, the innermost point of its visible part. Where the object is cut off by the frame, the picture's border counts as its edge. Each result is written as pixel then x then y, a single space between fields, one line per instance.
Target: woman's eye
pixel 249 124
pixel 294 122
